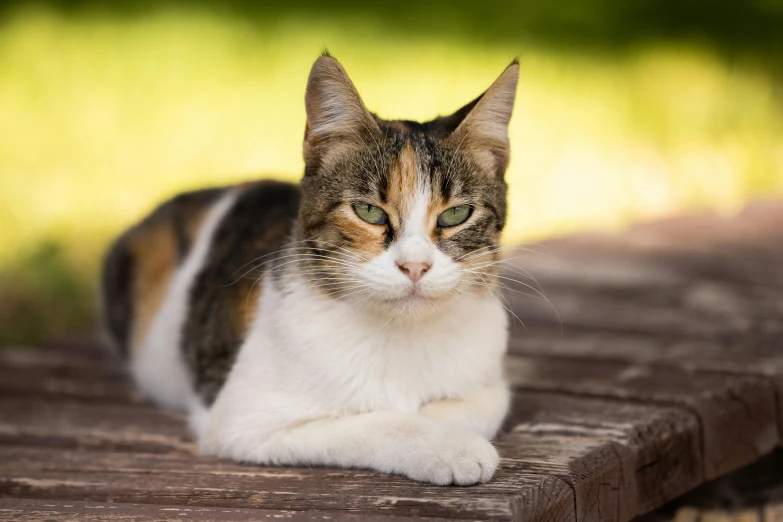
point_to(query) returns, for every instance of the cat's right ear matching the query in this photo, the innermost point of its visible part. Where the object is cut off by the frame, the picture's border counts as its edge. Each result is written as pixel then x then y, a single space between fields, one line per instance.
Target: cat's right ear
pixel 482 125
pixel 335 111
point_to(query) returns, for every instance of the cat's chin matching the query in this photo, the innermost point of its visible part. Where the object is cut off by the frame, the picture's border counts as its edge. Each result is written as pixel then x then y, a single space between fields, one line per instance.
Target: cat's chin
pixel 411 304
pixel 414 299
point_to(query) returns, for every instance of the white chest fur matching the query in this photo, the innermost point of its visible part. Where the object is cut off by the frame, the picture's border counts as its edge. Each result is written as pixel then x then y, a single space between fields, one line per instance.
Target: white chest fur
pixel 310 357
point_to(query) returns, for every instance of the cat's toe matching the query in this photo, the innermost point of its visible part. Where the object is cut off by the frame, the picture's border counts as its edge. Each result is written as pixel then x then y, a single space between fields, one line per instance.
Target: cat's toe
pixel 466 471
pixel 482 464
pixel 489 463
pixel 456 458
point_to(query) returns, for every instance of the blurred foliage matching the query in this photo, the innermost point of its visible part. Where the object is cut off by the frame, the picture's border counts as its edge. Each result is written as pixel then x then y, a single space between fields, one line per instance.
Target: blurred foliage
pixel 626 111
pixel 43 295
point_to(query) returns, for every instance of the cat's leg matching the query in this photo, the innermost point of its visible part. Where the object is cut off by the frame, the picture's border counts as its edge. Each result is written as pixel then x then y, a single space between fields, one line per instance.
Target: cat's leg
pixel 391 442
pixel 481 413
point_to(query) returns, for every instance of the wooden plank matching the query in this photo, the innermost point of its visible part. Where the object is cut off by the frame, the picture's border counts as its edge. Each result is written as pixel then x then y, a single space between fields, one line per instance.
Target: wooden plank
pixel 86 374
pixel 67 423
pixel 76 424
pixel 615 470
pixel 66 381
pixel 73 424
pixel 705 277
pixel 558 435
pixel 604 488
pixel 139 429
pixel 738 414
pixel 694 309
pixel 749 356
pixel 658 448
pixel 53 356
pixel 168 479
pixel 33 510
pixel 754 491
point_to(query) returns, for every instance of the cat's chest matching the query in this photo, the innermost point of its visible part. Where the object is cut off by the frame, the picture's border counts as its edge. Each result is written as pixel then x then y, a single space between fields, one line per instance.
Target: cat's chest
pixel 345 364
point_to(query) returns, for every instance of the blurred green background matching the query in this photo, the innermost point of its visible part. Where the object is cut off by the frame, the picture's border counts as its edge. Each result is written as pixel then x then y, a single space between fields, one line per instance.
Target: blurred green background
pixel 626 110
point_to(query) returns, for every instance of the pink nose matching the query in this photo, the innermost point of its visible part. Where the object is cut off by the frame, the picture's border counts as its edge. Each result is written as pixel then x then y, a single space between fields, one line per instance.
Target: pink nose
pixel 414 271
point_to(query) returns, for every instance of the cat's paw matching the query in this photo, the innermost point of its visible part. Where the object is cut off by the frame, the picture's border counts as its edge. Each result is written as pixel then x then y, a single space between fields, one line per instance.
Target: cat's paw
pixel 452 456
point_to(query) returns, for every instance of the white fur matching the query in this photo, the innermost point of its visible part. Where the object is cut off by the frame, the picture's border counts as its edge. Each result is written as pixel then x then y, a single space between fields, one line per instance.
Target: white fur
pixel 318 383
pixel 400 377
pixel 324 381
pixel 159 370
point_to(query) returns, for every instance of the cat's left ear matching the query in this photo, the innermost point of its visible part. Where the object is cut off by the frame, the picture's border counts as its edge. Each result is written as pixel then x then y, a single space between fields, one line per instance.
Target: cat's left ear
pixel 483 129
pixel 335 112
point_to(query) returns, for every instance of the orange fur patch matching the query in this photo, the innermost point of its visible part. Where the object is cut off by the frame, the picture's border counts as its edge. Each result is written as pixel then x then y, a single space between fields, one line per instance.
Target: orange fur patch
pixel 403 184
pixel 436 206
pixel 245 306
pixel 154 250
pixel 367 239
pixel 155 259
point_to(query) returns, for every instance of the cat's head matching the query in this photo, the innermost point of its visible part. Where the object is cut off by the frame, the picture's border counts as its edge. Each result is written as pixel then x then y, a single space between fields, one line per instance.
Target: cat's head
pixel 398 214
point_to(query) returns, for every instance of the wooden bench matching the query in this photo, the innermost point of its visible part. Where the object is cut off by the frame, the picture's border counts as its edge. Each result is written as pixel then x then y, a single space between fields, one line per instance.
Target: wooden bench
pixel 663 371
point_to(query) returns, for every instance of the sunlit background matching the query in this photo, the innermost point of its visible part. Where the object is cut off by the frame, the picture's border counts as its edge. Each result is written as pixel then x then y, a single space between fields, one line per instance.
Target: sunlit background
pixel 626 110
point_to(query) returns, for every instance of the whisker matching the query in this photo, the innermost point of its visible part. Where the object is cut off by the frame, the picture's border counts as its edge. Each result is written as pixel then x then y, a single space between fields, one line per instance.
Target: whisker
pixel 289 246
pixel 308 256
pixel 259 265
pixel 540 293
pixel 508 308
pixel 490 286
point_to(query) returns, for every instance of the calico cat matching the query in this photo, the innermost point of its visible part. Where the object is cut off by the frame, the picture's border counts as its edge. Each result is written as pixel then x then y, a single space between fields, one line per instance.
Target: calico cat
pixel 347 321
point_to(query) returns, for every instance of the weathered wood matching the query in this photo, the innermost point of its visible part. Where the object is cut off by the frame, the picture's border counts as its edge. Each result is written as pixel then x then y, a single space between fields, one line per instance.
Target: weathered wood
pixel 667 307
pixel 755 491
pixel 658 448
pixel 32 510
pixel 67 423
pixel 705 276
pixel 121 477
pixel 76 424
pixel 64 381
pixel 738 414
pixel 748 356
pixel 601 468
pixel 668 294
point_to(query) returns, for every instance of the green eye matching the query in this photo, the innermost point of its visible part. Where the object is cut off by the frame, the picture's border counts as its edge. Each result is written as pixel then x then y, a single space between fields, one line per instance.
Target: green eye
pixel 370 213
pixel 454 216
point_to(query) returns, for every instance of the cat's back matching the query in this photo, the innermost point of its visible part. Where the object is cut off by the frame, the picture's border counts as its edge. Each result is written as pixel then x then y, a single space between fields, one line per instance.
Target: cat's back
pixel 181 281
pixel 140 264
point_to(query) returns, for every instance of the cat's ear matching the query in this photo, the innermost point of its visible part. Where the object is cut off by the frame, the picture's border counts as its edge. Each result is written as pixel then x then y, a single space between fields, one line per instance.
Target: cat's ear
pixel 335 111
pixel 481 127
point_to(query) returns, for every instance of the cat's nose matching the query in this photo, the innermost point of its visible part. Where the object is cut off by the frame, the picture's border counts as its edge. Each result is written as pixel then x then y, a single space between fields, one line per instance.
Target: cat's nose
pixel 414 271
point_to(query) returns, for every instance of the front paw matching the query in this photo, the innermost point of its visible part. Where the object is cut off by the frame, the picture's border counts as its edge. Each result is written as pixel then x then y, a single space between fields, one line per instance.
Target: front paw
pixel 452 456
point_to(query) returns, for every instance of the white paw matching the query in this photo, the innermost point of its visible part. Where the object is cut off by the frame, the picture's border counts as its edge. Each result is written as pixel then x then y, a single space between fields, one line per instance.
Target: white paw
pixel 452 456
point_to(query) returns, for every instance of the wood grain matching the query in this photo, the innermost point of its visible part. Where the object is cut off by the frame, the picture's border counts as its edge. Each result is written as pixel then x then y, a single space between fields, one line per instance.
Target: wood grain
pixel 738 414
pixel 755 492
pixel 103 476
pixel 655 450
pixel 33 510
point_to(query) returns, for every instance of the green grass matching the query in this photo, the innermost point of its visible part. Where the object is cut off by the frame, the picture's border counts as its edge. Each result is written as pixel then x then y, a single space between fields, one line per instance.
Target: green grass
pixel 103 113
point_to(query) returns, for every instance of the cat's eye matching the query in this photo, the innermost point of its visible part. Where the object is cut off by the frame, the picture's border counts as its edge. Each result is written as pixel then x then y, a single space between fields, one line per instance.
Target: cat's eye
pixel 455 216
pixel 370 213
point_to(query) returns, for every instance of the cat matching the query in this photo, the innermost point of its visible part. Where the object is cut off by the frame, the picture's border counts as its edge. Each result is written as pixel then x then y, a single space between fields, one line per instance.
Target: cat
pixel 347 321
